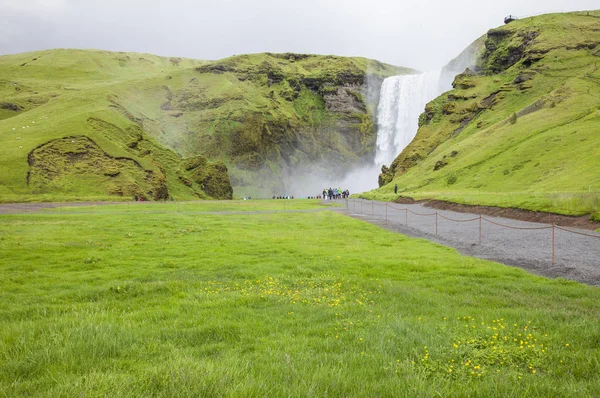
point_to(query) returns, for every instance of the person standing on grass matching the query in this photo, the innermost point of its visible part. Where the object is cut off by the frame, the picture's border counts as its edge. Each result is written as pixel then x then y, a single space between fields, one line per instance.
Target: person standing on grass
pixel 396 189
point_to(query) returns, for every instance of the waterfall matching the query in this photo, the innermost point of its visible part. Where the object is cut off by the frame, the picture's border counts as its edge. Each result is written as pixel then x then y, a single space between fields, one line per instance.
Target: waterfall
pixel 401 100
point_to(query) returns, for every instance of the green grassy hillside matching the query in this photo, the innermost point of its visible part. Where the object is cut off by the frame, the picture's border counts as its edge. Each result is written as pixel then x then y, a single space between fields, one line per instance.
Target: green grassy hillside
pixel 80 124
pixel 521 130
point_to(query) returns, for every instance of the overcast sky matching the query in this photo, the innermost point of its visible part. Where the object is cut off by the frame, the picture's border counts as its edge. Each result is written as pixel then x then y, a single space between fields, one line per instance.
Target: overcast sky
pixel 420 34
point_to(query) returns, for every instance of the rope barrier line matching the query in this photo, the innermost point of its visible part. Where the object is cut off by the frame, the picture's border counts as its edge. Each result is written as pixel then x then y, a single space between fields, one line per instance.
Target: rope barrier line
pixel 450 219
pixel 482 218
pixel 578 233
pixel 419 214
pixel 510 227
pixel 395 208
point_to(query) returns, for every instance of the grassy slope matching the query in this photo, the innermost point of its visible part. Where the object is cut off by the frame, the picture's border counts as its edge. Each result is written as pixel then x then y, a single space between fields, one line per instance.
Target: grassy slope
pixel 552 147
pixel 59 90
pixel 184 304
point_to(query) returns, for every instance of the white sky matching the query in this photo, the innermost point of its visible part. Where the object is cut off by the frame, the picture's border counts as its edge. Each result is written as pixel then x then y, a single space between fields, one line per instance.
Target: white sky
pixel 419 34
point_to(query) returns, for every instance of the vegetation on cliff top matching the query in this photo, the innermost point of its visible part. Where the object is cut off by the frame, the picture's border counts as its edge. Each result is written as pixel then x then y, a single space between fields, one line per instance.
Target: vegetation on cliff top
pixel 519 130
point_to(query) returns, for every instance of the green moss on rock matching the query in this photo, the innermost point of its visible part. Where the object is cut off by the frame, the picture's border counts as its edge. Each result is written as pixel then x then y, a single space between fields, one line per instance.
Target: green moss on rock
pixel 65 163
pixel 211 177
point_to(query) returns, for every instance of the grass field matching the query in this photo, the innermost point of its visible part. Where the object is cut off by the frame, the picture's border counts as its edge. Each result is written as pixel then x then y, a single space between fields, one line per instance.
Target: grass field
pixel 170 303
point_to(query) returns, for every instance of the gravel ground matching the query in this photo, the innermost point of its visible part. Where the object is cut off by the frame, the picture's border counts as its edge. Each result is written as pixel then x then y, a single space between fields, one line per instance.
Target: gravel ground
pixel 577 257
pixel 23 208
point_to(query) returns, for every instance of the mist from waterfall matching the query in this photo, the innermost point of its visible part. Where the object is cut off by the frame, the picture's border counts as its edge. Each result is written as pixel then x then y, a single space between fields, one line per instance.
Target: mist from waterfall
pixel 401 101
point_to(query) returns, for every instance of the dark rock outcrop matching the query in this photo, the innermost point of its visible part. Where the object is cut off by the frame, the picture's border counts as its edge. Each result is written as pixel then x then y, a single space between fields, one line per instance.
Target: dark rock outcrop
pixel 212 177
pixel 10 106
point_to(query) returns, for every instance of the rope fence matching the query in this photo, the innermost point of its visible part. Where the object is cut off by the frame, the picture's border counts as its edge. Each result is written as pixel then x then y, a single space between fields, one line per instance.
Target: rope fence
pixel 451 219
pixel 481 218
pixel 511 227
pixel 575 232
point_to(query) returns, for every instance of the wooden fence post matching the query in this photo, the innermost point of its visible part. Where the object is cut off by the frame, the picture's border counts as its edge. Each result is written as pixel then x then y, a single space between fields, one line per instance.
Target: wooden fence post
pixel 553 228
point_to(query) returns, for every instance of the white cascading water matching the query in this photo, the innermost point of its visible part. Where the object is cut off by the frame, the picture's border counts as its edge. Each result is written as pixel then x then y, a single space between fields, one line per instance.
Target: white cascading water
pixel 401 100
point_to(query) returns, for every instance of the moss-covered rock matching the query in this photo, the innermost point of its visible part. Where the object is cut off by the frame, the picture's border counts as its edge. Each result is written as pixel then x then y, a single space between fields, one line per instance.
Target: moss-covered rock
pixel 211 177
pixel 77 164
pixel 386 176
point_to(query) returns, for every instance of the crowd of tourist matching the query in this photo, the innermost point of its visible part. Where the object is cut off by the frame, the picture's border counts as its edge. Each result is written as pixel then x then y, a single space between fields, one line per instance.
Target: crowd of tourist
pixel 335 193
pixel 327 194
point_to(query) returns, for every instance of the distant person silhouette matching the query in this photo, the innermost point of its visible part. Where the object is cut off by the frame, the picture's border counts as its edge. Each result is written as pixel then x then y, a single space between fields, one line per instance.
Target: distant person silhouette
pixel 396 189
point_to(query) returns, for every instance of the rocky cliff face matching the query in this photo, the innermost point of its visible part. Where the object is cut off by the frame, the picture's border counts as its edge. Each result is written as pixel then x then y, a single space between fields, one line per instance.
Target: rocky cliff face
pixel 272 115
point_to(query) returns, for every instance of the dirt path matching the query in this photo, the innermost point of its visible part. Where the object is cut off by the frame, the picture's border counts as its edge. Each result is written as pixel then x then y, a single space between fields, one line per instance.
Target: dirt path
pixel 528 246
pixel 20 208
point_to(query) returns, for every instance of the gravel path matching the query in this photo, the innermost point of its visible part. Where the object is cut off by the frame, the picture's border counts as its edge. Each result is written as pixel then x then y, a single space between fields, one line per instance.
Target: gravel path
pixel 577 257
pixel 24 208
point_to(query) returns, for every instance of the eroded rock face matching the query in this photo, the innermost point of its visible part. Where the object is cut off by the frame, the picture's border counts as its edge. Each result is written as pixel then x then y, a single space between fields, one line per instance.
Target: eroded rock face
pixel 295 111
pixel 504 48
pixel 77 164
pixel 212 177
pixel 345 99
pixel 10 106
